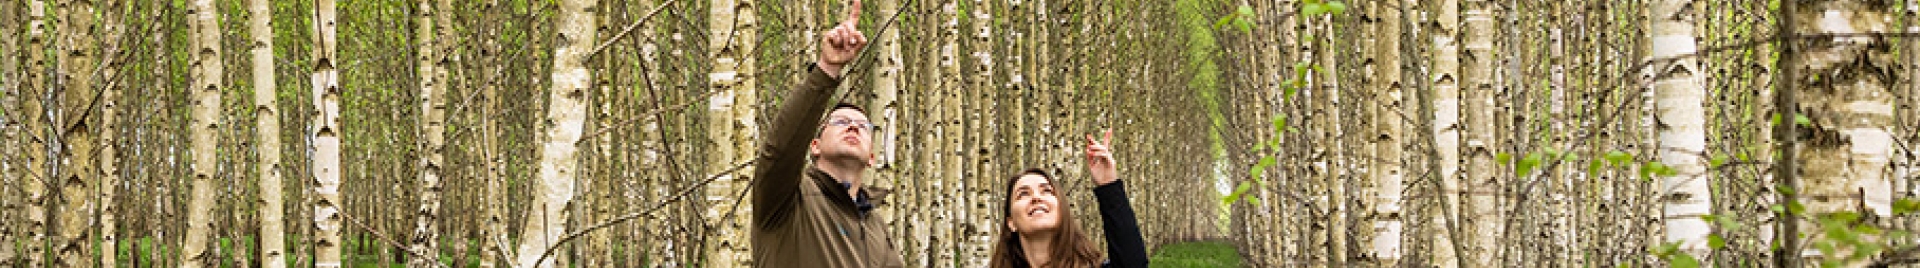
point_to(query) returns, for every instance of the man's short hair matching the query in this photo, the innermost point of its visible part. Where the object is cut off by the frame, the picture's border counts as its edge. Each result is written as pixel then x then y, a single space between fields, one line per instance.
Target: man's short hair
pixel 823 124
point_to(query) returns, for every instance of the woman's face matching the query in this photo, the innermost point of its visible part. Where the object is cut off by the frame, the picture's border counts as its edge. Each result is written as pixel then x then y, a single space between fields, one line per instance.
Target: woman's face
pixel 1035 208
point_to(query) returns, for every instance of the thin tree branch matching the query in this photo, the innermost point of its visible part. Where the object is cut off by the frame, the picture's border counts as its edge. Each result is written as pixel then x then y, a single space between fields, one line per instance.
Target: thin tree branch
pixel 635 215
pixel 630 121
pixel 390 242
pixel 629 29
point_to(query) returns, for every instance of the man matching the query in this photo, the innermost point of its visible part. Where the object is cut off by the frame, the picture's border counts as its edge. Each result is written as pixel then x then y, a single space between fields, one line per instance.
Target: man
pixel 818 216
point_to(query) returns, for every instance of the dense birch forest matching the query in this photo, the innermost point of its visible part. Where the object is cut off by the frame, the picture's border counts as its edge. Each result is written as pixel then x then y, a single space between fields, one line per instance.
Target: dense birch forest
pixel 1301 133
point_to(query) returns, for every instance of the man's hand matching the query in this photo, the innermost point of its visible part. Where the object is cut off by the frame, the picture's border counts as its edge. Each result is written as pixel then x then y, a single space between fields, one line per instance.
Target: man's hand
pixel 1100 160
pixel 839 46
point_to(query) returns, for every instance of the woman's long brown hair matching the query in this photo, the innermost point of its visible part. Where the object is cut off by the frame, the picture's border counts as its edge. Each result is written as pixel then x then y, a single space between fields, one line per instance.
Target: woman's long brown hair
pixel 1071 248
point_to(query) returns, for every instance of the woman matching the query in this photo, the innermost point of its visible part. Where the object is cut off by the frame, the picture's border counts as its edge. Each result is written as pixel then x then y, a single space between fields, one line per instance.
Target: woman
pixel 1040 230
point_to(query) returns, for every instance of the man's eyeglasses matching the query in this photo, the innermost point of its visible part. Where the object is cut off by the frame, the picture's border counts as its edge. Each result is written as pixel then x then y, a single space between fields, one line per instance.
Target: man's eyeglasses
pixel 843 122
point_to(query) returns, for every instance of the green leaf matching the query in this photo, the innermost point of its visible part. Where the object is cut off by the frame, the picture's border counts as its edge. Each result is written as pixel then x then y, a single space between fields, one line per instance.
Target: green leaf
pixel 1618 158
pixel 1774 121
pixel 1237 192
pixel 1802 120
pixel 1717 161
pixel 1683 260
pixel 1844 217
pixel 1661 169
pixel 1723 222
pixel 1715 242
pixel 1279 123
pixel 1527 164
pixel 1825 247
pixel 1336 7
pixel 1313 9
pixel 1223 21
pixel 1502 158
pixel 1245 26
pixel 1246 11
pixel 1868 229
pixel 1593 168
pixel 1666 249
pixel 1905 206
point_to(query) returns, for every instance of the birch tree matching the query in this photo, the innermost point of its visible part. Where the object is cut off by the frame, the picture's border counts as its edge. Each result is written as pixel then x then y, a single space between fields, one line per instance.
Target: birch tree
pixel 1446 129
pixel 1843 91
pixel 976 240
pixel 731 126
pixel 493 226
pixel 108 156
pixel 947 161
pixel 566 112
pixel 35 133
pixel 267 136
pixel 1387 172
pixel 325 135
pixel 78 173
pixel 1680 93
pixel 1483 213
pixel 432 101
pixel 10 133
pixel 208 74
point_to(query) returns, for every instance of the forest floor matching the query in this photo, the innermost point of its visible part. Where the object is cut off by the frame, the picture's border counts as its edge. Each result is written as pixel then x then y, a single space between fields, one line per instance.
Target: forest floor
pixel 1198 254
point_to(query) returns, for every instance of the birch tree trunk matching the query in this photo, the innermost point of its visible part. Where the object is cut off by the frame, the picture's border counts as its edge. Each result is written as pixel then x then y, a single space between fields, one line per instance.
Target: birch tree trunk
pixel 34 131
pixel 78 174
pixel 1844 90
pixel 566 112
pixel 976 241
pixel 1387 170
pixel 1680 92
pixel 208 74
pixel 731 127
pixel 1485 187
pixel 432 100
pixel 946 162
pixel 1446 129
pixel 493 229
pixel 594 250
pixel 267 136
pixel 886 88
pixel 11 136
pixel 325 147
pixel 109 154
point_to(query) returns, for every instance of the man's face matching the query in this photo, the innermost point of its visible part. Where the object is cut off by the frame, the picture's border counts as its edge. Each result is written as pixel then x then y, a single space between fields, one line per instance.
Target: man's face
pixel 846 134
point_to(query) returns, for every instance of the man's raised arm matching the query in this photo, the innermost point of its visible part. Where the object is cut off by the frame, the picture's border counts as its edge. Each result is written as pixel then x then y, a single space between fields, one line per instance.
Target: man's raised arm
pixel 783 156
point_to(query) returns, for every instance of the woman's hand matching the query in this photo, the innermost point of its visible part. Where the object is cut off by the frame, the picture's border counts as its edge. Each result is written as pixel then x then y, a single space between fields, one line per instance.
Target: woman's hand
pixel 1100 160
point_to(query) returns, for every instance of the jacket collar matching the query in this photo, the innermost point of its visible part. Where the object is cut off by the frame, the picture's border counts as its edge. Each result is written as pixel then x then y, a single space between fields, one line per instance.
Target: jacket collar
pixel 862 202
